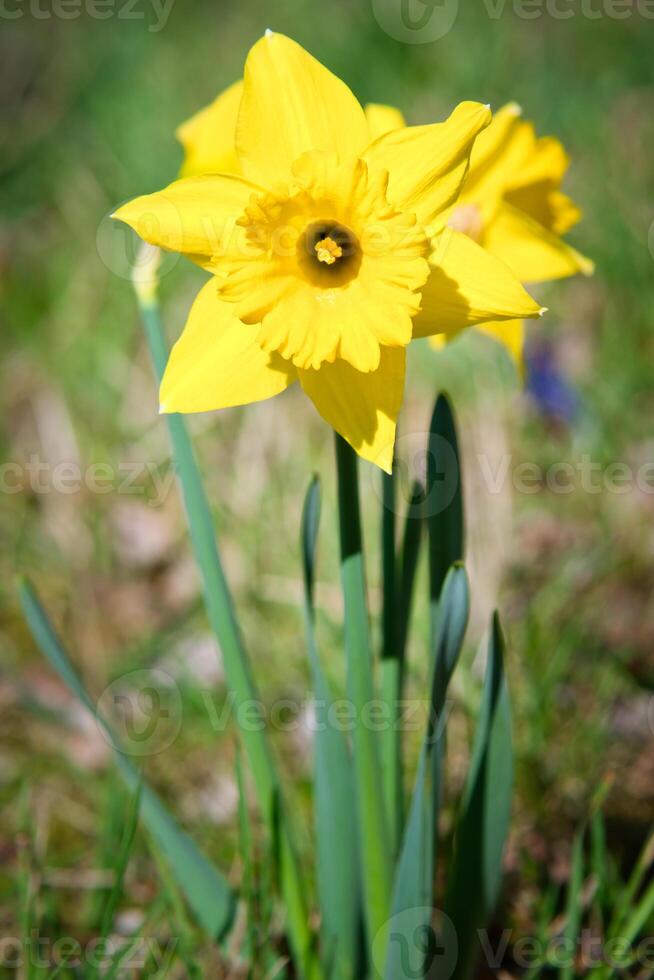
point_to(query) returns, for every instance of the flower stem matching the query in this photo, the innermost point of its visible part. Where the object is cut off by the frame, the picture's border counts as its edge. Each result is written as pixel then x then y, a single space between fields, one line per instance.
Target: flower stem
pixel 222 618
pixel 376 855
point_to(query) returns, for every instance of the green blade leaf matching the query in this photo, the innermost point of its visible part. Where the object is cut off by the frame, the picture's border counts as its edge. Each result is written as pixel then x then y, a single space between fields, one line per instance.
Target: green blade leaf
pixel 223 621
pixel 398 575
pixel 409 556
pixel 390 662
pixel 413 886
pixel 574 906
pixel 599 861
pixel 248 881
pixel 444 497
pixel 640 915
pixel 121 862
pixel 394 669
pixel 630 891
pixel 372 824
pixel 452 625
pixel 339 885
pixel 389 645
pixel 206 890
pixel 476 873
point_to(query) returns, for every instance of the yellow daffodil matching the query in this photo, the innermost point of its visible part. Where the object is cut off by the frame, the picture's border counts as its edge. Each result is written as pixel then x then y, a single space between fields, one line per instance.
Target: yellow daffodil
pixel 511 201
pixel 511 204
pixel 328 243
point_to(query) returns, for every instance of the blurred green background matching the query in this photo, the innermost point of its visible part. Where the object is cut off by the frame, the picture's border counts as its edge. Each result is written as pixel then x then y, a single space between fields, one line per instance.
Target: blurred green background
pixel 89 111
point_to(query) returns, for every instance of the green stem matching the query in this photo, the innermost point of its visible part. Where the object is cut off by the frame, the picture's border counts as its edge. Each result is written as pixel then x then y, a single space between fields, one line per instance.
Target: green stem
pixel 390 663
pixel 376 858
pixel 223 621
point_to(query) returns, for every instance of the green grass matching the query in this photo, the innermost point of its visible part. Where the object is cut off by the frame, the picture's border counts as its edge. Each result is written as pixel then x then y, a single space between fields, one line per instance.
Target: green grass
pixel 93 108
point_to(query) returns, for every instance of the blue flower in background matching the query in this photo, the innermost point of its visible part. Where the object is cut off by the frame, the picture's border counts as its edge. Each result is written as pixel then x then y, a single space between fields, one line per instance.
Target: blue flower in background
pixel 547 386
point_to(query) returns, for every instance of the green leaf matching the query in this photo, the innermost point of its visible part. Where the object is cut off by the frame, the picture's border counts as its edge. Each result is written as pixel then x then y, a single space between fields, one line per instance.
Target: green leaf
pixel 223 621
pixel 339 885
pixel 600 862
pixel 120 867
pixel 573 907
pixel 631 914
pixel 389 646
pixel 28 913
pixel 410 552
pixel 206 890
pixel 627 898
pixel 398 576
pixel 390 662
pixel 372 824
pixel 444 496
pixel 475 876
pixel 640 916
pixel 248 882
pixel 413 886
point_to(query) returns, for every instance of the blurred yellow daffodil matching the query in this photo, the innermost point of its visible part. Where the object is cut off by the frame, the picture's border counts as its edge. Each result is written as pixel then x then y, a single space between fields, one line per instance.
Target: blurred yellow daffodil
pixel 328 243
pixel 511 204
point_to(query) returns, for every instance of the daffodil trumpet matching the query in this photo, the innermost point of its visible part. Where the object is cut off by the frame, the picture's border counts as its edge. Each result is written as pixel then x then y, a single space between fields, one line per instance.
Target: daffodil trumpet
pixel 328 245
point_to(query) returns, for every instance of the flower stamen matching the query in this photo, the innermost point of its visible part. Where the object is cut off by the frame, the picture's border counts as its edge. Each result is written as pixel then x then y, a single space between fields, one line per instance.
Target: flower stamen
pixel 328 250
pixel 328 254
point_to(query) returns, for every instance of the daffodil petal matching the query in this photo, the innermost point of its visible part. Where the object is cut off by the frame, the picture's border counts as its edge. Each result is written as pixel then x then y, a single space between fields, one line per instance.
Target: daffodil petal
pixel 217 363
pixel 547 161
pixel 363 408
pixel 549 208
pixel 565 213
pixel 438 341
pixel 467 286
pixel 498 155
pixel 196 215
pixel 533 186
pixel 532 252
pixel 383 119
pixel 495 136
pixel 209 137
pixel 427 164
pixel 292 104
